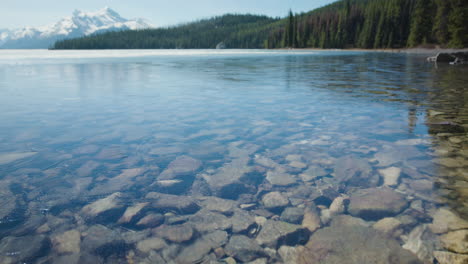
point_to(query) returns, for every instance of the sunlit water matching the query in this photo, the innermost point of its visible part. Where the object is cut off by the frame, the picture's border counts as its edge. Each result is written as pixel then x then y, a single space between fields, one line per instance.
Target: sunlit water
pixel 116 157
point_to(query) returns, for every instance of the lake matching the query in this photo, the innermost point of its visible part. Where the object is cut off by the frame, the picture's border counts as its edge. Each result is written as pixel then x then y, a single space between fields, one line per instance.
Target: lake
pixel 195 156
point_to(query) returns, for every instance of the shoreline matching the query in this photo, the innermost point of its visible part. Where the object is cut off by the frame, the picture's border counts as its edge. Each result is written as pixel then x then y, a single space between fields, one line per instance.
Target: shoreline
pixel 406 50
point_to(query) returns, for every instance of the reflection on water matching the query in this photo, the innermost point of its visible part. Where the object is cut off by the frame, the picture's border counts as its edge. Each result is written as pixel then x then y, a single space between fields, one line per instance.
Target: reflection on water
pixel 263 157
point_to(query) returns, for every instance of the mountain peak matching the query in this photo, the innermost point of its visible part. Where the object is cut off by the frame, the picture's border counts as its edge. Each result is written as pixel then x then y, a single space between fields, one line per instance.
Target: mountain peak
pixel 81 23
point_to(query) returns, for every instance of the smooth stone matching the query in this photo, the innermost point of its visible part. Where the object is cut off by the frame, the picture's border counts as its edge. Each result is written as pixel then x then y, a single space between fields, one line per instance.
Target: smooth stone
pixel 391 176
pixel 87 168
pixel 175 233
pixel 243 248
pixel 288 254
pixel 311 219
pixel 456 241
pixel 207 221
pixel 67 242
pixel 180 167
pixel 132 237
pixel 242 221
pixel 111 153
pixel 422 242
pixel 227 181
pixel 131 212
pixel 337 206
pixel 293 215
pixel 195 252
pixel 7 200
pixel 274 200
pixel 218 205
pixel 97 239
pixel 444 257
pixel 168 202
pixel 353 244
pixel 229 260
pixel 325 216
pixel 148 245
pixel 6 158
pixel 258 261
pixel 376 203
pixel 273 232
pixel 168 183
pixel 280 178
pixel 354 171
pixel 22 249
pixel 445 220
pixel 388 226
pixel 151 220
pixel 347 220
pixel 293 157
pixel 298 165
pixel 110 202
pixel 119 182
pixel 312 173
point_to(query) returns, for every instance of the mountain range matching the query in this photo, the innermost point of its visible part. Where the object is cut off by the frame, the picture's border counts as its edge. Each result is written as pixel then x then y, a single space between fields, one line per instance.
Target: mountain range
pixel 78 25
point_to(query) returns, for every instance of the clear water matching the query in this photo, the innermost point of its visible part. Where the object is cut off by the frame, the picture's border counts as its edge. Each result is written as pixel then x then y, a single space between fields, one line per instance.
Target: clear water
pixel 86 135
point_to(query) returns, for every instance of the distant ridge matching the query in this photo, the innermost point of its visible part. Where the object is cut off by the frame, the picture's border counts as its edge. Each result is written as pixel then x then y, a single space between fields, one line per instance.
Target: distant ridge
pixel 367 24
pixel 79 24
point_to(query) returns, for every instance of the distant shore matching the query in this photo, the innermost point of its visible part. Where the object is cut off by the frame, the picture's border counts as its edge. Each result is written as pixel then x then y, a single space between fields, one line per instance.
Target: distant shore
pixel 408 50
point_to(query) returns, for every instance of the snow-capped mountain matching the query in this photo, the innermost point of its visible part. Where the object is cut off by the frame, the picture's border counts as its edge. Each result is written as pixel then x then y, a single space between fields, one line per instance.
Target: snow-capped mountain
pixel 80 24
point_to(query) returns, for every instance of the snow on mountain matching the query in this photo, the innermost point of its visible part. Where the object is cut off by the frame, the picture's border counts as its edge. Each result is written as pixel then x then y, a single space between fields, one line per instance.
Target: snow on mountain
pixel 79 24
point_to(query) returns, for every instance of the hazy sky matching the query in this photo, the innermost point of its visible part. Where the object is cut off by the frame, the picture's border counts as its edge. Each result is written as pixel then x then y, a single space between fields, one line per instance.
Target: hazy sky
pixel 19 13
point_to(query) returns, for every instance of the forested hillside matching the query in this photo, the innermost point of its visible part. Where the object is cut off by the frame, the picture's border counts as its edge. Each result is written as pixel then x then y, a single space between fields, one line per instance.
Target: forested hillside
pixel 236 31
pixel 343 24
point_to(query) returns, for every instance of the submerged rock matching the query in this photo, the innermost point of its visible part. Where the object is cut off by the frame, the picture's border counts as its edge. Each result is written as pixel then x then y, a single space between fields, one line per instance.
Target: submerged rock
pixel 217 204
pixel 280 178
pixel 456 241
pixel 131 212
pixel 23 249
pixel 353 244
pixel 167 202
pixel 175 233
pixel 6 158
pixel 195 252
pixel 422 242
pixel 182 166
pixel 376 203
pixel 388 226
pixel 446 220
pixel 122 181
pixel 150 244
pixel 275 233
pixel 151 220
pixel 110 202
pixel 312 173
pixel 311 219
pixel 227 182
pixel 391 176
pixel 102 241
pixel 242 222
pixel 337 206
pixel 353 171
pixel 444 257
pixel 243 248
pixel 67 242
pixel 206 221
pixel 293 215
pixel 274 201
pixel 289 254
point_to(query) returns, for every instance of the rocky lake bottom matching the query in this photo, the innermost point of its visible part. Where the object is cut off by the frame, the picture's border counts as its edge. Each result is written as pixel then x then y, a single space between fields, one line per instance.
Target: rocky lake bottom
pixel 232 157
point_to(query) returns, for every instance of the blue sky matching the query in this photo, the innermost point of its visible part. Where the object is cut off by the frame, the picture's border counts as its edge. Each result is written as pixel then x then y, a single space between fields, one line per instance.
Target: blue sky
pixel 19 13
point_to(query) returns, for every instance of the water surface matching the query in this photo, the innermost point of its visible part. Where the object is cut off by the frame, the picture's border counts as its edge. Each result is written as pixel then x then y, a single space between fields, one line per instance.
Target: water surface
pixel 209 156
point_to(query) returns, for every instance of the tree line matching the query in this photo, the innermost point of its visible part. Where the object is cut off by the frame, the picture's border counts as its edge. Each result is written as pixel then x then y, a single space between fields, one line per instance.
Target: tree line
pixel 344 24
